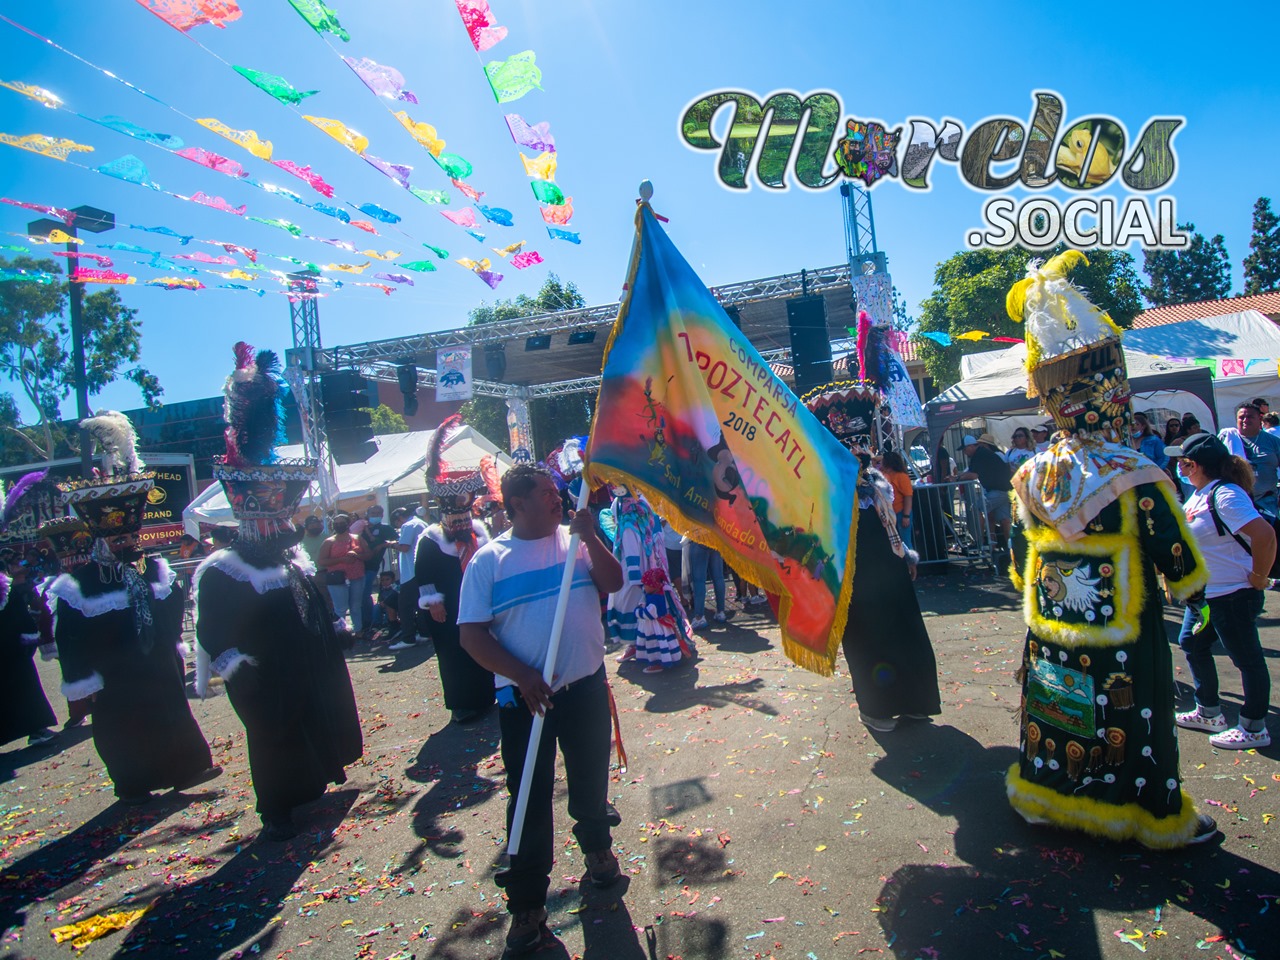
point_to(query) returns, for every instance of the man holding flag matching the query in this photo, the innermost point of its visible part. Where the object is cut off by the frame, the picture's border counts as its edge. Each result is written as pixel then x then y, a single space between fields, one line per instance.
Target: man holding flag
pixel 507 606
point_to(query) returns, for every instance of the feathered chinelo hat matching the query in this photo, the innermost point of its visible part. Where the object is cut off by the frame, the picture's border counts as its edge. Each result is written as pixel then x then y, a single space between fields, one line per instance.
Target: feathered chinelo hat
pixel 1075 363
pixel 263 489
pixel 111 502
pixel 445 479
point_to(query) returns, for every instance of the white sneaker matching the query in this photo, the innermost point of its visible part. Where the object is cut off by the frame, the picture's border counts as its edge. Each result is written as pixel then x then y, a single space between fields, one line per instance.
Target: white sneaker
pixel 1195 720
pixel 1238 738
pixel 698 623
pixel 720 617
pixel 401 645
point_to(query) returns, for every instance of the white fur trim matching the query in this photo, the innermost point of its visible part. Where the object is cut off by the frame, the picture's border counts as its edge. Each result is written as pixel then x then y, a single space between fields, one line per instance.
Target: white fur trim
pixel 204 670
pixel 428 596
pixel 29 638
pixel 48 651
pixel 233 565
pixel 79 689
pixel 447 546
pixel 5 589
pixel 229 661
pixel 66 589
pixel 163 585
pixel 184 649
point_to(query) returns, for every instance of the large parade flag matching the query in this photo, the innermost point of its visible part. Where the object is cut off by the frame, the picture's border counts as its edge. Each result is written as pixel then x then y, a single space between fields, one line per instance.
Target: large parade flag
pixel 690 414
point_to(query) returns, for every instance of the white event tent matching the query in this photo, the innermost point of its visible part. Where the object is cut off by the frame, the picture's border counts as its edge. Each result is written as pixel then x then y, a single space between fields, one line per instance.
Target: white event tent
pixel 396 470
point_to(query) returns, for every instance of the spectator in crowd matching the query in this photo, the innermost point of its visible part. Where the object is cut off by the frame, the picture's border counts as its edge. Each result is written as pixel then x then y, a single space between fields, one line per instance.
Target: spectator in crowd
pixel 1147 442
pixel 410 529
pixel 895 471
pixel 189 548
pixel 1271 423
pixel 944 466
pixel 1191 425
pixel 222 535
pixel 375 536
pixel 1238 545
pixel 505 617
pixel 313 536
pixel 704 560
pixel 1263 405
pixel 1040 437
pixel 1247 439
pixel 1172 431
pixel 342 559
pixel 387 611
pixel 990 469
pixel 1020 451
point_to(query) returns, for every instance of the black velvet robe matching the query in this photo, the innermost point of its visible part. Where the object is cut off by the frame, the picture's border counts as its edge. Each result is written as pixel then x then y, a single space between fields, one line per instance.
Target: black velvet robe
pixel 296 702
pixel 24 708
pixel 437 569
pixel 142 724
pixel 885 642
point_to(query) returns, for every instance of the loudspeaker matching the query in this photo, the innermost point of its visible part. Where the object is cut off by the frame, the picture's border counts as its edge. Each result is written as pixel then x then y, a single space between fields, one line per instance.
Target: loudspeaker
pixel 734 316
pixel 495 361
pixel 810 343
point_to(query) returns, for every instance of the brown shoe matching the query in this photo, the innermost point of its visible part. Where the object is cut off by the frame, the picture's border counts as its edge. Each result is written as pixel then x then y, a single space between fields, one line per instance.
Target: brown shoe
pixel 528 927
pixel 602 868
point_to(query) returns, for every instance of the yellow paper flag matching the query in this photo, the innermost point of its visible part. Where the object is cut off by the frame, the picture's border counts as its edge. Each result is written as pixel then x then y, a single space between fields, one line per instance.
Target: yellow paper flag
pixel 61 236
pixel 347 267
pixel 541 167
pixel 84 932
pixel 47 146
pixel 424 133
pixel 473 265
pixel 971 335
pixel 340 132
pixel 38 94
pixel 389 255
pixel 506 251
pixel 237 274
pixel 241 138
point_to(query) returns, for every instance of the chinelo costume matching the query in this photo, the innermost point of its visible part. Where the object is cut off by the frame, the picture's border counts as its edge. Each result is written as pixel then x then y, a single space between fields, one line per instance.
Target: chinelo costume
pixel 1094 522
pixel 119 627
pixel 262 622
pixel 24 709
pixel 444 550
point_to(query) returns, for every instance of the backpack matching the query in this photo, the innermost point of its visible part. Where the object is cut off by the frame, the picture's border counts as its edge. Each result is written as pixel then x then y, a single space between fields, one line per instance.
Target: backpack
pixel 1244 544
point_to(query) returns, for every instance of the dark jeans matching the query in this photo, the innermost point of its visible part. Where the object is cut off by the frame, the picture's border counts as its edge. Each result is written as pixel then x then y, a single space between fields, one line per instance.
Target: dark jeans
pixel 700 560
pixel 410 615
pixel 580 724
pixel 366 598
pixel 1233 620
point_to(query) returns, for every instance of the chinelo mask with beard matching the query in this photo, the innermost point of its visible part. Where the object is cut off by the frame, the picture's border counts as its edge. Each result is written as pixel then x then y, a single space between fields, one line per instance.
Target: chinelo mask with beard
pixel 455 517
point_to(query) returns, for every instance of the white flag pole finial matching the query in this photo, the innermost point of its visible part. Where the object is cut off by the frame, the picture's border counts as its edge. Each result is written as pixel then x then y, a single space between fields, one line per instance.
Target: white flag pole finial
pixel 646 190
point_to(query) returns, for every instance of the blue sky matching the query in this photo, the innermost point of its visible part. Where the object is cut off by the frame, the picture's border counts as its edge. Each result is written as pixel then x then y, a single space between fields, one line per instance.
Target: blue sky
pixel 616 78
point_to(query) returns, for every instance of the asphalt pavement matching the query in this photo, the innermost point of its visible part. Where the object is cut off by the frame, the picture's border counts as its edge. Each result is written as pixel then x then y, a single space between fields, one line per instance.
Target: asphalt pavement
pixel 760 819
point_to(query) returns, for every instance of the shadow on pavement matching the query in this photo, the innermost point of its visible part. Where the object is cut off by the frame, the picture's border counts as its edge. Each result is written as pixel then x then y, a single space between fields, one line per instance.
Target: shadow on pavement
pixel 12 761
pixel 234 906
pixel 1028 890
pixel 677 689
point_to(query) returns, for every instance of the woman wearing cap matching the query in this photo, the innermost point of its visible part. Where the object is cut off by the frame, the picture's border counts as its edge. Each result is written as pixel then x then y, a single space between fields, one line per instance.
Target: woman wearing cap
pixel 1098 749
pixel 1239 546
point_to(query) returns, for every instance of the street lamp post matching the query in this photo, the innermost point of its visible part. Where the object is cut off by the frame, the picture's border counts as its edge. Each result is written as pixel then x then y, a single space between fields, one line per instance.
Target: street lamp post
pixel 91 220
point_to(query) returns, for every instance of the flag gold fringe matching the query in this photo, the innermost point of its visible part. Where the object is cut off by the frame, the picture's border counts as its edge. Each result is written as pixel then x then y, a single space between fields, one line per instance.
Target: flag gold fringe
pixel 757 574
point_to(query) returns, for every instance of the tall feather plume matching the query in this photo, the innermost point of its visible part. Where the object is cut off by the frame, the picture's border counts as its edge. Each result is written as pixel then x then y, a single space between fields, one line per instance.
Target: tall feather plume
pixel 435 466
pixel 864 325
pixel 117 440
pixel 10 507
pixel 254 408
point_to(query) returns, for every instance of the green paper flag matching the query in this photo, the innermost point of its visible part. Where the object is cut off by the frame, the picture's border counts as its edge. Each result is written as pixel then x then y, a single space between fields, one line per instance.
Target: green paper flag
pixel 422 266
pixel 321 18
pixel 512 78
pixel 442 254
pixel 430 196
pixel 458 168
pixel 547 192
pixel 1209 362
pixel 292 228
pixel 278 87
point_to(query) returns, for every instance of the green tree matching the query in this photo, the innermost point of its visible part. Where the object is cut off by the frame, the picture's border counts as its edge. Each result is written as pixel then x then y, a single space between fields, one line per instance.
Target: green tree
pixel 969 294
pixel 386 420
pixel 1262 265
pixel 554 418
pixel 1201 271
pixel 36 350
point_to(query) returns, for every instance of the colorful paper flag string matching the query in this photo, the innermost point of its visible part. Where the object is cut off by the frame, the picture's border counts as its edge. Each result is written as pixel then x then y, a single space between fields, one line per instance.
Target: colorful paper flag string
pixel 512 78
pixel 185 14
pixel 275 86
pixel 176 283
pixel 482 28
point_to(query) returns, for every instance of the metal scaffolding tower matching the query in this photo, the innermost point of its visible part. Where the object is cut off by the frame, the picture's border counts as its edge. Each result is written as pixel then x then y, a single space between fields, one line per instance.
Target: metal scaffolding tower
pixel 305 362
pixel 860 232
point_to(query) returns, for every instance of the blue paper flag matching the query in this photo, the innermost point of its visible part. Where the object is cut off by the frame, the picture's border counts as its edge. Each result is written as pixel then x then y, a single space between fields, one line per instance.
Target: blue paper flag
pixel 495 215
pixel 557 234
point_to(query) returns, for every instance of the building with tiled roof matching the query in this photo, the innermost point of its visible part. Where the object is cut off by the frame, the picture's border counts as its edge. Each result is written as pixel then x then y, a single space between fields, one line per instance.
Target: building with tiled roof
pixel 1266 303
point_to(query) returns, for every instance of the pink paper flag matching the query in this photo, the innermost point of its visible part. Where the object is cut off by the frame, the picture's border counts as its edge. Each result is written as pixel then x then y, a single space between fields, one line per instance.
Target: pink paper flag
pixel 366 226
pixel 207 158
pixel 559 215
pixel 97 258
pixel 481 26
pixel 205 258
pixel 1232 367
pixel 379 286
pixel 185 14
pixel 248 252
pixel 313 180
pixel 217 203
pixel 522 260
pixel 466 189
pixel 466 217
pixel 85 275
pixel 66 216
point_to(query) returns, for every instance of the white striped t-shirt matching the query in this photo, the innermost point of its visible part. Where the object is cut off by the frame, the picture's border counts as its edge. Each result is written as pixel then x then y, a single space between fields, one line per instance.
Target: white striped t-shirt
pixel 512 585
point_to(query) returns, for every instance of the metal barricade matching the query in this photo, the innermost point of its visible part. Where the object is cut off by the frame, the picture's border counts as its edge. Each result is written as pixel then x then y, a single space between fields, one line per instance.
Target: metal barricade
pixel 949 524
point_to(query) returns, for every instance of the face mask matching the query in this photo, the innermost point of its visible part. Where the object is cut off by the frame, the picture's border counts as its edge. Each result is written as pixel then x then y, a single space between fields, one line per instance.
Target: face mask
pixel 340 527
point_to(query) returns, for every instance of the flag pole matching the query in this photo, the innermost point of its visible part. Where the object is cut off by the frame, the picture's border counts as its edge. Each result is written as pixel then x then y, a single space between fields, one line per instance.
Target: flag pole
pixel 548 671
